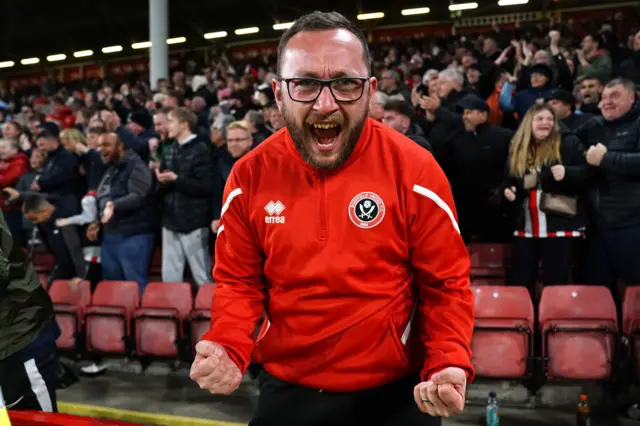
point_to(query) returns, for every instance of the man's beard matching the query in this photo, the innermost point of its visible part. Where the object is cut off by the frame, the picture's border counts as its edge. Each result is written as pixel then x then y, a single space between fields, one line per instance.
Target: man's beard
pixel 299 135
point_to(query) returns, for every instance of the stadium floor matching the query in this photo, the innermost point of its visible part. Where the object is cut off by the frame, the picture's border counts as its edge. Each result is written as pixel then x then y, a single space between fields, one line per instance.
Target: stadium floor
pixel 174 400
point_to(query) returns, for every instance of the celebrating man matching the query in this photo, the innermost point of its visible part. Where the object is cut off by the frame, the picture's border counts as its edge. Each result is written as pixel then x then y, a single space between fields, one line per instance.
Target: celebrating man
pixel 344 232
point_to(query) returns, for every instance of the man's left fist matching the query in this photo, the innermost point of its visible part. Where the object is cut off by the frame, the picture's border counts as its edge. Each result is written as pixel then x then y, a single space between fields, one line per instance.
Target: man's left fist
pixel 444 394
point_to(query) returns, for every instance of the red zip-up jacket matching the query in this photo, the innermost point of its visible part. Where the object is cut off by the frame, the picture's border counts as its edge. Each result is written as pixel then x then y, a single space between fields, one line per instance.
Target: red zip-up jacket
pixel 362 269
pixel 10 171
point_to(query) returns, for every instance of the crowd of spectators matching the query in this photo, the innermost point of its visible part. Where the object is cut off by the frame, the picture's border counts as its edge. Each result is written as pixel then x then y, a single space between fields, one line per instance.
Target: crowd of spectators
pixel 537 129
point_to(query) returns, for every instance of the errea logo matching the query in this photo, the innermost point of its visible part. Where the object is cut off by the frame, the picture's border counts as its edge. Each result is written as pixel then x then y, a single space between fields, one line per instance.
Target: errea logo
pixel 274 209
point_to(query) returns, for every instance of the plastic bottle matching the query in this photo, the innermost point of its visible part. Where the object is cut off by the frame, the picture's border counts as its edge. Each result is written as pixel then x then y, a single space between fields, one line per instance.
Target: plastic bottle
pixel 493 410
pixel 583 415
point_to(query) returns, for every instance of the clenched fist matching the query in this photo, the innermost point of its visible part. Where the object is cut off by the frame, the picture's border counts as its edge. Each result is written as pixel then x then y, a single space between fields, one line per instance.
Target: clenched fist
pixel 444 394
pixel 213 370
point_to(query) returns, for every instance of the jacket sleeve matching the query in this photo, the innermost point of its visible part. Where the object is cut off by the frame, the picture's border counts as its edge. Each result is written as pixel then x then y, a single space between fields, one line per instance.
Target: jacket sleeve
pixel 240 293
pixel 135 143
pixel 506 100
pixel 63 171
pixel 442 265
pixel 11 176
pixel 199 182
pixel 624 163
pixel 450 117
pixel 575 178
pixel 138 187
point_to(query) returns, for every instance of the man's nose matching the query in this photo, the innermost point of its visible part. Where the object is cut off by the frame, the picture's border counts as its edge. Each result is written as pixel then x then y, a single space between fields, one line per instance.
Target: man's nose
pixel 325 103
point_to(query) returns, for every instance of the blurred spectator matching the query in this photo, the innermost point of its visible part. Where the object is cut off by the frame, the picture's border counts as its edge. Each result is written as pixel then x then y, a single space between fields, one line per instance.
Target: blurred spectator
pixel 239 142
pixel 61 114
pixel 376 111
pixel 477 153
pixel 255 122
pixel 13 164
pixel 399 116
pixel 65 243
pixel 564 104
pixel 186 179
pixel 614 157
pixel 541 80
pixel 545 182
pixel 590 91
pixel 593 60
pixel 630 67
pixel 36 163
pixel 60 176
pixel 126 214
pixel 391 84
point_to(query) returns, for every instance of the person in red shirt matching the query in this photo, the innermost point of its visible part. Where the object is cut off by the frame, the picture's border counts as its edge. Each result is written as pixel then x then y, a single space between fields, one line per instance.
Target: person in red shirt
pixel 344 233
pixel 13 164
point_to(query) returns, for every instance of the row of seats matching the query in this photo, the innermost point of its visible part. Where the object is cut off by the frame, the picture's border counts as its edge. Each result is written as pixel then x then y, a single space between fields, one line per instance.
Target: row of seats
pixel 578 325
pixel 113 320
pixel 487 260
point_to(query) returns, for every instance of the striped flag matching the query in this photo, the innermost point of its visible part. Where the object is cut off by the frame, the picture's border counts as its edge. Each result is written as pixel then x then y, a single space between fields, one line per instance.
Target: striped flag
pixel 4 416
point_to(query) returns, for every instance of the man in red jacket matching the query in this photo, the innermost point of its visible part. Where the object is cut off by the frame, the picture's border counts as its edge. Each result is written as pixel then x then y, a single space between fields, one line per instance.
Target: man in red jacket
pixel 344 233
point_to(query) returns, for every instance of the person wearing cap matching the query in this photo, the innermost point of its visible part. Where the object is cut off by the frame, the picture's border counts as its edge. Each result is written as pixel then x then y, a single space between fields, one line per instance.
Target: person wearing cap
pixel 477 82
pixel 399 116
pixel 476 154
pixel 564 105
pixel 541 79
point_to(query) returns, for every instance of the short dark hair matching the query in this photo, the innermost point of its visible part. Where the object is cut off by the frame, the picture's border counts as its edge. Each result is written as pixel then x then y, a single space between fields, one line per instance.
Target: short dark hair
pixel 34 203
pixel 596 37
pixel 401 107
pixel 318 21
pixel 45 134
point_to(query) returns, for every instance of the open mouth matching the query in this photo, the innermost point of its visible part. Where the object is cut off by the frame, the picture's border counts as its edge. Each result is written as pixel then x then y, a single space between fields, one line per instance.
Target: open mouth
pixel 325 134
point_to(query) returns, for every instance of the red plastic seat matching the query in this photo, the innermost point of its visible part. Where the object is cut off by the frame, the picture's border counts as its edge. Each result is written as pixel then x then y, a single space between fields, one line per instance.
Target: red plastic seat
pixel 200 318
pixel 579 332
pixel 70 305
pixel 108 319
pixel 488 260
pixel 159 322
pixel 502 338
pixel 631 324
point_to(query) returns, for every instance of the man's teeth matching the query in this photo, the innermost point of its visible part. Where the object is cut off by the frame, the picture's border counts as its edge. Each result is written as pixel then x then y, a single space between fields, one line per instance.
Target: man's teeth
pixel 325 126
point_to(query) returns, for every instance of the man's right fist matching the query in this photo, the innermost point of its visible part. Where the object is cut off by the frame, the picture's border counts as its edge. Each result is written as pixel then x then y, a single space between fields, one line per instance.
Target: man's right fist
pixel 213 370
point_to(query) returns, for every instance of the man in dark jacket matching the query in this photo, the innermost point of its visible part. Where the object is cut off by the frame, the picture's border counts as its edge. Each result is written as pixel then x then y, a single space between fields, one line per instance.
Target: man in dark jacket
pixel 60 176
pixel 136 134
pixel 477 152
pixel 186 179
pixel 564 105
pixel 28 332
pixel 614 157
pixel 126 213
pixel 399 116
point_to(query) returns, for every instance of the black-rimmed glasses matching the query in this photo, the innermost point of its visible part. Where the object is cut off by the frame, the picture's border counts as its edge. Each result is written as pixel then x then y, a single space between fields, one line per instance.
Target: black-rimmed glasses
pixel 343 89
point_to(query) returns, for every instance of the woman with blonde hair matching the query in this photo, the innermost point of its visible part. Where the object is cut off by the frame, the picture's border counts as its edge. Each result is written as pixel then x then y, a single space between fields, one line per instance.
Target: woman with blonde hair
pixel 546 174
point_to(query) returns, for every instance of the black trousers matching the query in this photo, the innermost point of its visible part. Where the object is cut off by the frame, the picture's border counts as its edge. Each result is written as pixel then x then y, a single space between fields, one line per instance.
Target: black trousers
pixel 30 384
pixel 283 403
pixel 555 254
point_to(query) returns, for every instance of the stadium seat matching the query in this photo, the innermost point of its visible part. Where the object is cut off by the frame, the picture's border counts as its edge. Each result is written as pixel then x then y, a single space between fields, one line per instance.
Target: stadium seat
pixel 502 345
pixel 200 317
pixel 631 325
pixel 579 332
pixel 108 319
pixel 159 322
pixel 70 306
pixel 488 260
